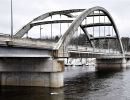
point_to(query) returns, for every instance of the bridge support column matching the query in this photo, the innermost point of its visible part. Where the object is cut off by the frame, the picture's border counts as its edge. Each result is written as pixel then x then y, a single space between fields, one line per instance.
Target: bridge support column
pixel 113 63
pixel 128 62
pixel 31 72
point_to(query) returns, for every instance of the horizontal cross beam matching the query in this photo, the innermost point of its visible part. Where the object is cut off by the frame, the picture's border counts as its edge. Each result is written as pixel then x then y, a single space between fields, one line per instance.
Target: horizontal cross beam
pixel 106 37
pixel 96 14
pixel 50 22
pixel 96 24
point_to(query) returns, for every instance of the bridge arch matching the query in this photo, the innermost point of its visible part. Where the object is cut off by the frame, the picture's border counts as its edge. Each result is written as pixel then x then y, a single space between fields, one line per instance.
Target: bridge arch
pixel 65 39
pixel 20 33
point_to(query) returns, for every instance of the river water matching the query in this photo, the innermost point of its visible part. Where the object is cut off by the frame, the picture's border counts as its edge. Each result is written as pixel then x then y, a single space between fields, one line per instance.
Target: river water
pixel 81 83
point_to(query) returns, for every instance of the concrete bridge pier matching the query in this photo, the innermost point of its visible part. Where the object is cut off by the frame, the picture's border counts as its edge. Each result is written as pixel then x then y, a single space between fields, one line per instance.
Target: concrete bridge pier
pixel 46 72
pixel 110 63
pixel 128 62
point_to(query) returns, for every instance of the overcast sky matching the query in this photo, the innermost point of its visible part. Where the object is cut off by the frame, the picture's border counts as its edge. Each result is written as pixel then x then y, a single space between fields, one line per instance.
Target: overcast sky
pixel 26 10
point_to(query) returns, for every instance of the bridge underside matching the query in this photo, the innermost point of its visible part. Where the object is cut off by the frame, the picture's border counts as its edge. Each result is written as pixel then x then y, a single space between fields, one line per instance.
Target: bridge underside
pixel 24 52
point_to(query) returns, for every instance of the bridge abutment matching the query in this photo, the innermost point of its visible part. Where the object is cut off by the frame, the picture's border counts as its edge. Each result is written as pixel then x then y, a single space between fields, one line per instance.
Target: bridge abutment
pixel 31 72
pixel 111 63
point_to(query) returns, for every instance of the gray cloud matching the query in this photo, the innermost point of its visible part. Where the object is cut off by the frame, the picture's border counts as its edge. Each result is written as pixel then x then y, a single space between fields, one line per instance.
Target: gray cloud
pixel 26 10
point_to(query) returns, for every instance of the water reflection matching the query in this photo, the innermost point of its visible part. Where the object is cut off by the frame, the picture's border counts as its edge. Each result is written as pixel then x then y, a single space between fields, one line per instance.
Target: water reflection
pixel 94 85
pixel 81 83
pixel 31 93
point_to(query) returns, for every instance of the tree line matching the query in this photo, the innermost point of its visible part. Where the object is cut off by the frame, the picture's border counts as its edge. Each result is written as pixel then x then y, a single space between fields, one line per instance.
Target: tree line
pixel 98 43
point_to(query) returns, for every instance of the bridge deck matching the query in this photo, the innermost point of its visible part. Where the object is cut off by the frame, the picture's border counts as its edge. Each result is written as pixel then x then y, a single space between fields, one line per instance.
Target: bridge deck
pixel 40 48
pixel 26 42
pixel 25 47
pixel 86 54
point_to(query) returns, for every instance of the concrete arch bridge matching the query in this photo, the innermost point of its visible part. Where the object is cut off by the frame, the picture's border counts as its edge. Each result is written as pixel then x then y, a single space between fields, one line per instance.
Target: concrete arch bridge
pixel 80 33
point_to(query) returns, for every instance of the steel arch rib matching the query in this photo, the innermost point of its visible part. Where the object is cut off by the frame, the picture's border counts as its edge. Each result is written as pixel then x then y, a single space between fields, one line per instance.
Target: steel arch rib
pixel 28 26
pixel 77 22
